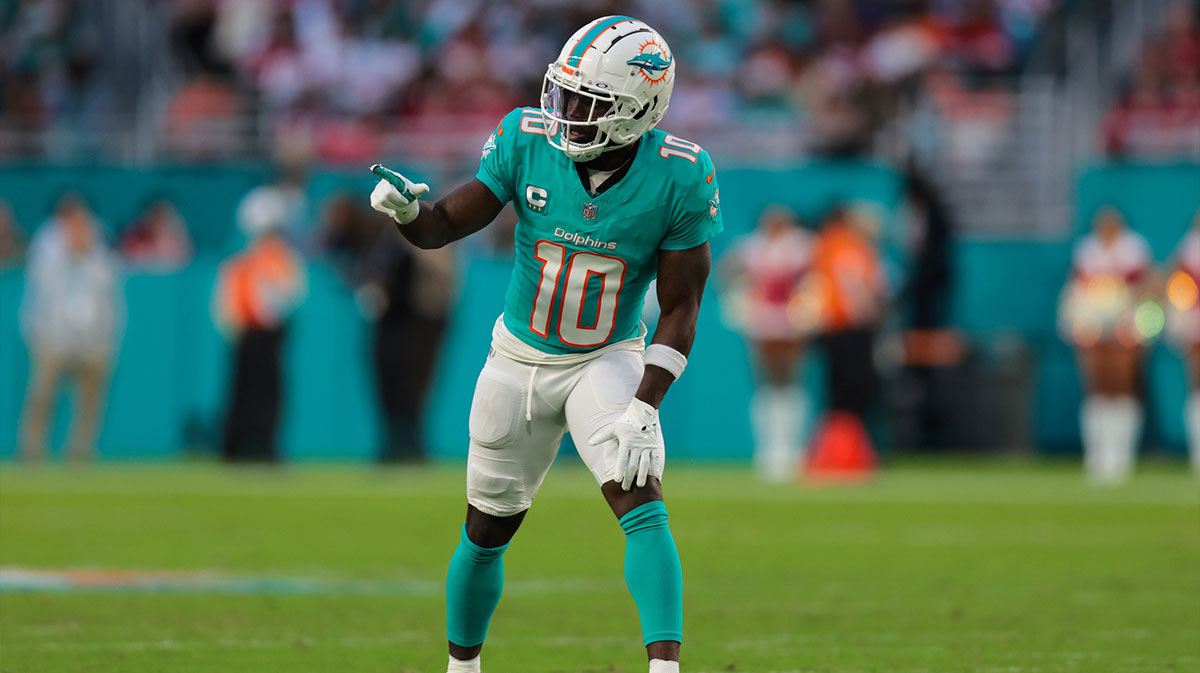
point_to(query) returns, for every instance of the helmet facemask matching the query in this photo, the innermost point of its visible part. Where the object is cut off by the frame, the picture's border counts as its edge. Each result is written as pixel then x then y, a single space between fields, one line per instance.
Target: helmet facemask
pixel 598 117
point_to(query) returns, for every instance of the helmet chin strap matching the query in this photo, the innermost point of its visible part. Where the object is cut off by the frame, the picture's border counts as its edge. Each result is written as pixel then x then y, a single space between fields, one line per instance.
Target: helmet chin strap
pixel 592 151
pixel 608 149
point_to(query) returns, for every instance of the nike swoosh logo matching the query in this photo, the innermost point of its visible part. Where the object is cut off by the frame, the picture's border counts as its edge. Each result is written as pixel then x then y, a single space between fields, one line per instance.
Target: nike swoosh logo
pixel 710 177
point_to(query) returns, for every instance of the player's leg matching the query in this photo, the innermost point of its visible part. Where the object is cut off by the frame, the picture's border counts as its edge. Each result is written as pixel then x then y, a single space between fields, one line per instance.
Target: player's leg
pixel 474 582
pixel 515 435
pixel 652 570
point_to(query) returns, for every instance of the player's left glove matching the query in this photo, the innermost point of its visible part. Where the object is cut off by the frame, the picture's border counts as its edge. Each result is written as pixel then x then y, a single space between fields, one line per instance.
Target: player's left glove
pixel 396 195
pixel 640 452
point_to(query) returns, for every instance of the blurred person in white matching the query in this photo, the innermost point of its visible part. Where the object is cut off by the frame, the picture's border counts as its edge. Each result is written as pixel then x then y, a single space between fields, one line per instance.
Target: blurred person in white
pixel 257 291
pixel 157 238
pixel 1183 326
pixel 768 300
pixel 1110 271
pixel 71 317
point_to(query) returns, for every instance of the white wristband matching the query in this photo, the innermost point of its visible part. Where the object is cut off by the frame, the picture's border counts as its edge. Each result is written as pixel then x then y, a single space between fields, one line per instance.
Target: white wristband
pixel 662 355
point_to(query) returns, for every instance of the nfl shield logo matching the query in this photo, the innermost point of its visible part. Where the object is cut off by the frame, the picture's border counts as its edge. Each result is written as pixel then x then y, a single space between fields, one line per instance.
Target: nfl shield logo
pixel 589 211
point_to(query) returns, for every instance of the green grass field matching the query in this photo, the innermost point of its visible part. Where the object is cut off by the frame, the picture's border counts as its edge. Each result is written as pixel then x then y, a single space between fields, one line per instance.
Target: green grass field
pixel 988 567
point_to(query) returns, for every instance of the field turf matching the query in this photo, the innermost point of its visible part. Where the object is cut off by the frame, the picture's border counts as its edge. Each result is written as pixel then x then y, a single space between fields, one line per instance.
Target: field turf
pixel 932 568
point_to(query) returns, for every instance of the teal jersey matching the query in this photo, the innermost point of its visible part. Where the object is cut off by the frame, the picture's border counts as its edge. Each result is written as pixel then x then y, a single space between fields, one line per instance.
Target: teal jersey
pixel 583 262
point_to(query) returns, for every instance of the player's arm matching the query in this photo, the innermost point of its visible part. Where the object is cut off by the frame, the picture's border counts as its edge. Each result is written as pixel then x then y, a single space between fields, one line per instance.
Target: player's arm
pixel 681 278
pixel 634 440
pixel 459 214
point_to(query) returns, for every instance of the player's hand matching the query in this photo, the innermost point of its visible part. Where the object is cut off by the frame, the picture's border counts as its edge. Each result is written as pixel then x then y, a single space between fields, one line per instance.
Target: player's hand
pixel 640 452
pixel 396 196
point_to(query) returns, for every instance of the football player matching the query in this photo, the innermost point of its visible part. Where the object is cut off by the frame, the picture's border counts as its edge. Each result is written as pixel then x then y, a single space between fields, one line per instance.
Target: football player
pixel 605 203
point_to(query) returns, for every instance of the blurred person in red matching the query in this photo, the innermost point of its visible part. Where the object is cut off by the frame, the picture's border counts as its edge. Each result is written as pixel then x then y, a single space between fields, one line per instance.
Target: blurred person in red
pixel 257 290
pixel 768 301
pixel 406 295
pixel 156 238
pixel 71 316
pixel 1110 270
pixel 1183 326
pixel 852 300
pixel 12 245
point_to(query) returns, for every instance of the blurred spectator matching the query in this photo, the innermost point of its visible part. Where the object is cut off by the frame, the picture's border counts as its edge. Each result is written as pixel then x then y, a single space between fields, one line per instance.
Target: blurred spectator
pixel 156 238
pixel 202 118
pixel 852 291
pixel 406 294
pixel 71 318
pixel 931 235
pixel 1159 115
pixel 1110 270
pixel 930 344
pixel 1183 325
pixel 770 303
pixel 12 247
pixel 193 28
pixel 279 70
pixel 257 290
pixel 50 51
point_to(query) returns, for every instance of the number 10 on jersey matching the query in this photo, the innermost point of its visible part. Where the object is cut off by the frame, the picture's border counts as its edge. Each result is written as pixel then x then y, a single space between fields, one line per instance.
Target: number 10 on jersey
pixel 575 329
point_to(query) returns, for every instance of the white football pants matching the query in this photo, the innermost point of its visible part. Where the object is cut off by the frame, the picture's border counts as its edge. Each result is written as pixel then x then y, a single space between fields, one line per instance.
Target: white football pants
pixel 521 411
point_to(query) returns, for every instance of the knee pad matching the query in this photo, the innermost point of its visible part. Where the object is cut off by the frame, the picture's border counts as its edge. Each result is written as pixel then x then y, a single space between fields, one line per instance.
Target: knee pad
pixel 493 491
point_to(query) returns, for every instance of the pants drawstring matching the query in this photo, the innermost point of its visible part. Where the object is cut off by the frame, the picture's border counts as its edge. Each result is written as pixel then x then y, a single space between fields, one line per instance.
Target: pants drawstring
pixel 529 395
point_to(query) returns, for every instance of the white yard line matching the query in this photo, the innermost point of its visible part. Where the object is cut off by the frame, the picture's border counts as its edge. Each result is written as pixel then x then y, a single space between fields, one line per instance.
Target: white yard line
pixel 106 580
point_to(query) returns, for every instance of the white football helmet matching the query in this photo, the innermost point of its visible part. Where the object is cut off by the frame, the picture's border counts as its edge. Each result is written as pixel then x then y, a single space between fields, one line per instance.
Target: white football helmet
pixel 610 85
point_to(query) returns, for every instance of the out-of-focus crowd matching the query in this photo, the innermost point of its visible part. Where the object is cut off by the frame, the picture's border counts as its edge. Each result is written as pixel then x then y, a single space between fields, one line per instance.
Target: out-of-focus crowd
pixel 326 77
pixel 1158 114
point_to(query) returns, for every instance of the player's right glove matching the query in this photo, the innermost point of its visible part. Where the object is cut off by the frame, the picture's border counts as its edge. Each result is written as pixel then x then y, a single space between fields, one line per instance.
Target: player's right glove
pixel 396 196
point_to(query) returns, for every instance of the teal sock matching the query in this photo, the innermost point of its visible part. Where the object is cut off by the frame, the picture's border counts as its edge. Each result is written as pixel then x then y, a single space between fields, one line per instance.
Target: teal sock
pixel 473 586
pixel 653 573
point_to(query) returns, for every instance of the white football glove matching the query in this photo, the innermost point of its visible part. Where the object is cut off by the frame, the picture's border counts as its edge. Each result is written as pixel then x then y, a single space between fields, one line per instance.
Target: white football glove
pixel 396 195
pixel 635 444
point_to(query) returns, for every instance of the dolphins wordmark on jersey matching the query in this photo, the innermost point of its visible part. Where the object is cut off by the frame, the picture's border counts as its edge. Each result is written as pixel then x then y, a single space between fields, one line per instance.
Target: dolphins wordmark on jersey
pixel 583 261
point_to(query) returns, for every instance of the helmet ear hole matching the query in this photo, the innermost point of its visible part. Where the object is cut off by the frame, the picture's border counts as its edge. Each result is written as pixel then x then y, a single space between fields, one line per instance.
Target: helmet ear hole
pixel 646 108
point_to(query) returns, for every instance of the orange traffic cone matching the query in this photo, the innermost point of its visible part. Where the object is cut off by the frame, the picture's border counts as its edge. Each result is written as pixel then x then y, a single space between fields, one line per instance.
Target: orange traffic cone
pixel 841 450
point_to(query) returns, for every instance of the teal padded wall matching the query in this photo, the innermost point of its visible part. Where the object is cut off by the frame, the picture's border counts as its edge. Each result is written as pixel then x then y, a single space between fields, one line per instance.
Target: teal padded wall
pixel 170 382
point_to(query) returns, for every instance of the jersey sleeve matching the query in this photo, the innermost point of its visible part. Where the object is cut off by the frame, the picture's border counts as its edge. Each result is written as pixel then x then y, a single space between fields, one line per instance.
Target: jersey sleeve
pixel 498 162
pixel 696 214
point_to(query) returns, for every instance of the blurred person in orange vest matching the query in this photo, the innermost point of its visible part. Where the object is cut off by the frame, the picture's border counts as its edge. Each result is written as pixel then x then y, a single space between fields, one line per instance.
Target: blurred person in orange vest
pixel 257 290
pixel 1183 326
pixel 1111 271
pixel 71 316
pixel 852 293
pixel 769 298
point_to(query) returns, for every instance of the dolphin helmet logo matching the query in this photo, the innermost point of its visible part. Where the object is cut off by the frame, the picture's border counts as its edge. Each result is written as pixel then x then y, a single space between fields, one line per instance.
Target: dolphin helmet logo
pixel 653 60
